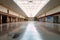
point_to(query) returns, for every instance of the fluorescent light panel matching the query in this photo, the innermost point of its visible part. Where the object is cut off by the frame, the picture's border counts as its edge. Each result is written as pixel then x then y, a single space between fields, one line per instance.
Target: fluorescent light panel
pixel 31 8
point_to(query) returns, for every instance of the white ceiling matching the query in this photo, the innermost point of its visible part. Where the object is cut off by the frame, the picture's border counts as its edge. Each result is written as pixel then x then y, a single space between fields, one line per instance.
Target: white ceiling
pixel 31 7
pixel 12 5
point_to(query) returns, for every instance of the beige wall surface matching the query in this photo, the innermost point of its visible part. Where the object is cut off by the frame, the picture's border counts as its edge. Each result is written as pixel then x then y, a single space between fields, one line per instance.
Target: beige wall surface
pixel 30 19
pixel 3 9
pixel 55 10
pixel 16 14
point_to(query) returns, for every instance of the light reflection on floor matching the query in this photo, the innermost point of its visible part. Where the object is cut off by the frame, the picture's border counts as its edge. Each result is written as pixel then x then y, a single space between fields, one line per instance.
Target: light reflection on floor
pixel 32 30
pixel 31 33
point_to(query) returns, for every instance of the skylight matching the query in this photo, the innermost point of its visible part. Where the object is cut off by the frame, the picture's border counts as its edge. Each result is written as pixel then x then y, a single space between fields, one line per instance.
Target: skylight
pixel 31 7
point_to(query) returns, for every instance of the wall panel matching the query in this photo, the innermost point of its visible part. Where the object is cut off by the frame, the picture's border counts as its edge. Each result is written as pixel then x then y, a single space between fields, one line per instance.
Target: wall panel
pixel 3 9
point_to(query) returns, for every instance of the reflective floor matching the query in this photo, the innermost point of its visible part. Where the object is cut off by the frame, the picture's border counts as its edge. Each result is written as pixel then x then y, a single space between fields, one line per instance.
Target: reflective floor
pixel 31 30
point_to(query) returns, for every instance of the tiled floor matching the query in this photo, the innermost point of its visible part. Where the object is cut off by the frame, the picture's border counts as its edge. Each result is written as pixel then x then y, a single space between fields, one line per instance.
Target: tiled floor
pixel 32 30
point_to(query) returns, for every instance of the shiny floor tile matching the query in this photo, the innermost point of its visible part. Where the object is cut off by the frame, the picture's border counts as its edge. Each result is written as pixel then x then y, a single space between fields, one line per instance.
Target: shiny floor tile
pixel 32 30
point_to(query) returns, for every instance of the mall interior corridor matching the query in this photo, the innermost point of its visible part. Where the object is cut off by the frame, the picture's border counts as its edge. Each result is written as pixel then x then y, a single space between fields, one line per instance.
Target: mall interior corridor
pixel 29 19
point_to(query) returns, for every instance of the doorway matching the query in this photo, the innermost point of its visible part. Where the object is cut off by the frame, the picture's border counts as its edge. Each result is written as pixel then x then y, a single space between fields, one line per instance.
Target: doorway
pixel 4 19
